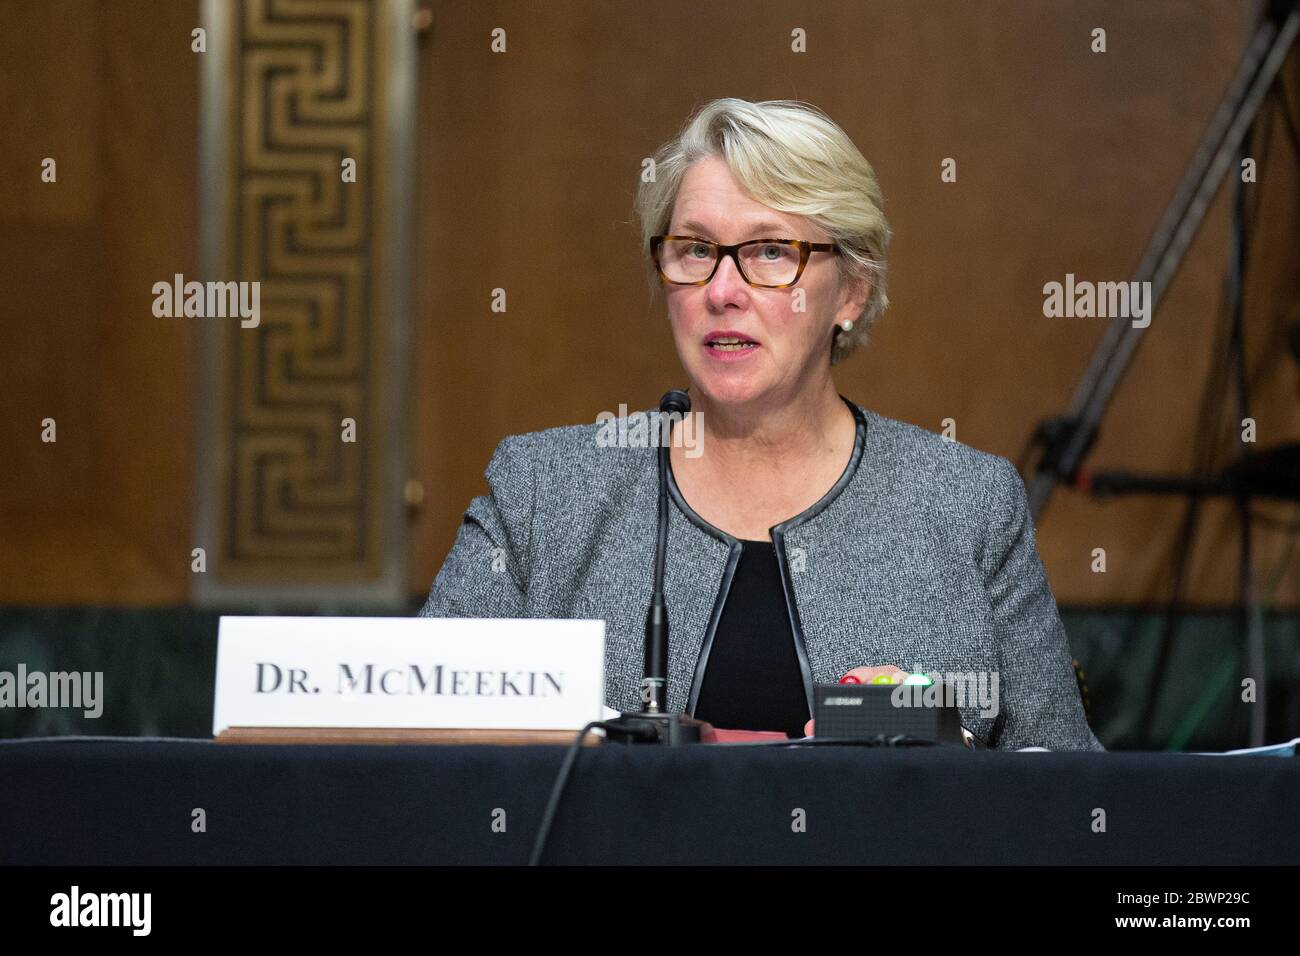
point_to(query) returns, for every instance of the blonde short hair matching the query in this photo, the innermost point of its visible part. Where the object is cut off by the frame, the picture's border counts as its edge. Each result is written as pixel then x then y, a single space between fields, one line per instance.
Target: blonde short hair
pixel 794 158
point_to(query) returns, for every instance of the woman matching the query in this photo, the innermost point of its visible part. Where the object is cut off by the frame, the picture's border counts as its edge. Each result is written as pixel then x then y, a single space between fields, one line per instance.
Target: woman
pixel 809 538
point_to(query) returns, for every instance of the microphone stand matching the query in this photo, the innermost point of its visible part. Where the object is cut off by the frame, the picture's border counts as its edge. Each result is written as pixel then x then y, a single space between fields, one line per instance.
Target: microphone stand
pixel 653 724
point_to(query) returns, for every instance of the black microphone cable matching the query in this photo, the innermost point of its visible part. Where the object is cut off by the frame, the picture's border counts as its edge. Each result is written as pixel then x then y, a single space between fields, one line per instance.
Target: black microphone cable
pixel 566 771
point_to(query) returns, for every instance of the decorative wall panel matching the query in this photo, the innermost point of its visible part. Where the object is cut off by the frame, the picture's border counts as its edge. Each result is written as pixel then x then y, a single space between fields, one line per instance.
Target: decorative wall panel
pixel 308 111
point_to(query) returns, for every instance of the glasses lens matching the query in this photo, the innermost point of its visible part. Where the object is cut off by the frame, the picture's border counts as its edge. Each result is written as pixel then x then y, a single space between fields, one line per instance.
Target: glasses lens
pixel 770 263
pixel 763 263
pixel 686 260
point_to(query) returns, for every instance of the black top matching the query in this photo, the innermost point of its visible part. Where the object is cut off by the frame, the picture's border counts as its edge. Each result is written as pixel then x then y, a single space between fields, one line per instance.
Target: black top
pixel 751 677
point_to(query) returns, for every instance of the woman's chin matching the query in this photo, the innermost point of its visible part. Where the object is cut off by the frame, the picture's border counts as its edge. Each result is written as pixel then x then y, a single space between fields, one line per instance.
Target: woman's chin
pixel 736 390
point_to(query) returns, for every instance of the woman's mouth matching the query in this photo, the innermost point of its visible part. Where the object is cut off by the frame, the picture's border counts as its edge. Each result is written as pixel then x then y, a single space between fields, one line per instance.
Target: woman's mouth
pixel 729 346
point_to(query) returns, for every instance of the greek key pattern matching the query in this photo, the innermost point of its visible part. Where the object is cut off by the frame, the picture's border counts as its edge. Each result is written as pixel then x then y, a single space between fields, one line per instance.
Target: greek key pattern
pixel 300 490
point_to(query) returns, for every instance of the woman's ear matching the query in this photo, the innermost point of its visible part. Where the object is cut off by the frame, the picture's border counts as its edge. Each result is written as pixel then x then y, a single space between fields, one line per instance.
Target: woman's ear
pixel 853 299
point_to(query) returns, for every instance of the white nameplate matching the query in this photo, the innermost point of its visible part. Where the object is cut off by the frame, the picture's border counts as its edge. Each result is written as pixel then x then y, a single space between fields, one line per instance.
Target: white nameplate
pixel 390 672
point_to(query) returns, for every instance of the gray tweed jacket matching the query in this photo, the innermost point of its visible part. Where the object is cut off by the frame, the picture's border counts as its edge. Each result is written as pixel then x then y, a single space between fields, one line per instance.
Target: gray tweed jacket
pixel 921 556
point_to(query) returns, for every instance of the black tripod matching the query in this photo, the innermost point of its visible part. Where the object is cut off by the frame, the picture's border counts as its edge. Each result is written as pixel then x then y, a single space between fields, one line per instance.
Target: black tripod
pixel 1062 443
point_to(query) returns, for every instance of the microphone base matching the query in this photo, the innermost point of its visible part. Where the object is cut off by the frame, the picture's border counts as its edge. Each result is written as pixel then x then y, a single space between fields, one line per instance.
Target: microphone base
pixel 670 730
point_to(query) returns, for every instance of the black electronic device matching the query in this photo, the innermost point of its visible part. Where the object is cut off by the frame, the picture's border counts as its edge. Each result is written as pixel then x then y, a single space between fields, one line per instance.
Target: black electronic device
pixel 886 713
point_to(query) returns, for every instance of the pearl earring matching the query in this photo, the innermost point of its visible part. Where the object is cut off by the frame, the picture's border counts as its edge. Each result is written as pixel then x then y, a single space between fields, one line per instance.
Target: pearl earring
pixel 847 326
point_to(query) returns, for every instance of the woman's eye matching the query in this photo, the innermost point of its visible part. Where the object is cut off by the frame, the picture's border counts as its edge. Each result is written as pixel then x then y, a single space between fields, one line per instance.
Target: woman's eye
pixel 699 250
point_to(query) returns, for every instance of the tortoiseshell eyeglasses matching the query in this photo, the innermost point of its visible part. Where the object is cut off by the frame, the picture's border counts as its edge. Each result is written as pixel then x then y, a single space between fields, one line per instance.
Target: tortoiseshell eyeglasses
pixel 763 263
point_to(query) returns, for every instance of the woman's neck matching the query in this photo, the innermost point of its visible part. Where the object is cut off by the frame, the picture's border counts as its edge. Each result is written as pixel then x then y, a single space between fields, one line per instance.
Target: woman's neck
pixel 774 437
pixel 758 468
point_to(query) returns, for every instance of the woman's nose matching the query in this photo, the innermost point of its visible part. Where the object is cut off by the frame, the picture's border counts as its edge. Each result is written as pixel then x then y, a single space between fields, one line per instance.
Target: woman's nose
pixel 727 281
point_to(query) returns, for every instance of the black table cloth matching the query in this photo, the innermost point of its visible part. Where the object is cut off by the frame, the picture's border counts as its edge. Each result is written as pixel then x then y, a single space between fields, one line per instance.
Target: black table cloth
pixel 129 801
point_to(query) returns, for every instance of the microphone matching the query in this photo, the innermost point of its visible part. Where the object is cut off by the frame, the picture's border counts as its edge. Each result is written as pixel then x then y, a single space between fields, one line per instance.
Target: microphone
pixel 654 689
pixel 653 724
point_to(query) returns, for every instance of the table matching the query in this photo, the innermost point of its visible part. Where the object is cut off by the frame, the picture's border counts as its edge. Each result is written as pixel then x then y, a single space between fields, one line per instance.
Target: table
pixel 109 801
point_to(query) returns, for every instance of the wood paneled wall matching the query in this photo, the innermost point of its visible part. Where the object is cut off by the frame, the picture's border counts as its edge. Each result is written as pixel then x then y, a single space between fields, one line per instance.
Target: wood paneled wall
pixel 529 160
pixel 110 91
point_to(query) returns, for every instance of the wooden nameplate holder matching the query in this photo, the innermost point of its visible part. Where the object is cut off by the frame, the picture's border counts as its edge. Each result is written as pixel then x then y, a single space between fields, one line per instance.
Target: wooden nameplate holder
pixel 398 735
